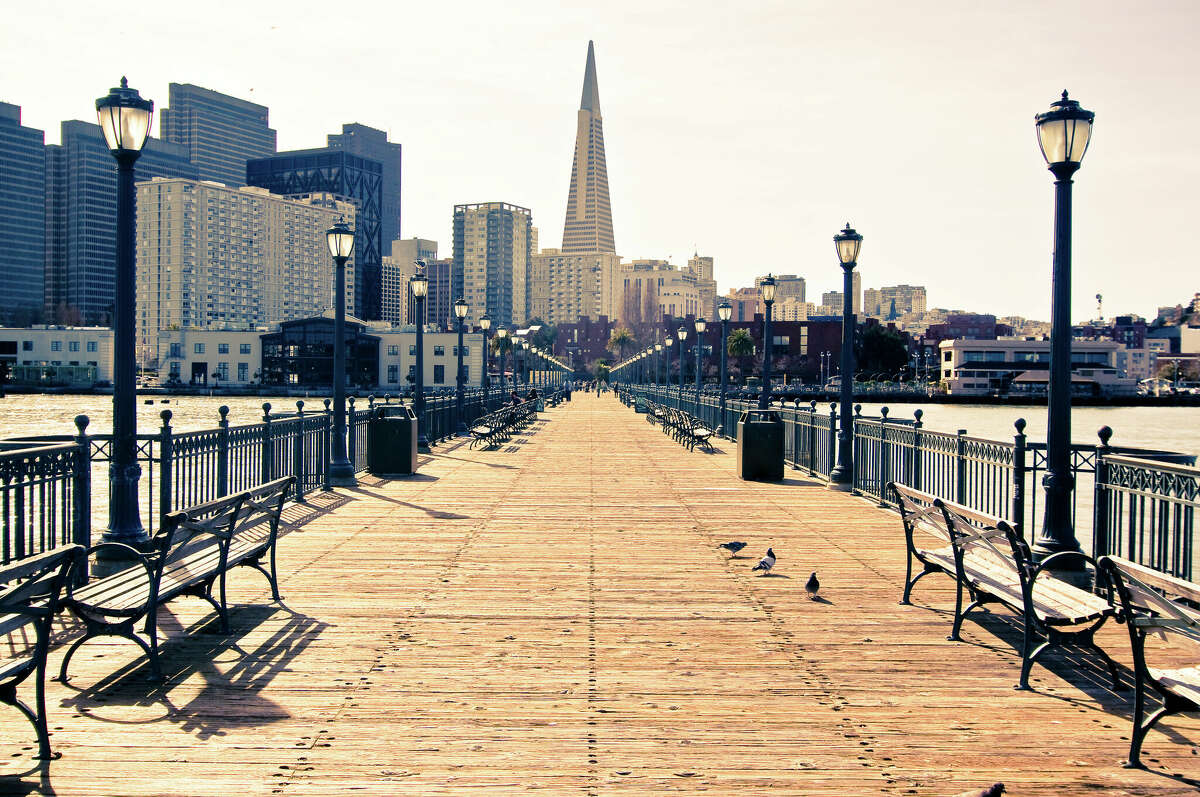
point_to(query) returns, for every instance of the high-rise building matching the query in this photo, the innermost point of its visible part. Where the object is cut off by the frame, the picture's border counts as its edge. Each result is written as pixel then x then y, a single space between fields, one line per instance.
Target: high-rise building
pixel 588 226
pixel 564 287
pixel 210 256
pixel 706 284
pixel 350 177
pixel 367 142
pixel 81 218
pixel 654 289
pixel 219 132
pixel 22 218
pixel 834 298
pixel 492 251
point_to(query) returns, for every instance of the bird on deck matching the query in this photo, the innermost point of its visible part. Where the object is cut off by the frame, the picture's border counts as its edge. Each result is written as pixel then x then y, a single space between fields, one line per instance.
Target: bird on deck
pixel 766 563
pixel 995 790
pixel 812 586
pixel 733 547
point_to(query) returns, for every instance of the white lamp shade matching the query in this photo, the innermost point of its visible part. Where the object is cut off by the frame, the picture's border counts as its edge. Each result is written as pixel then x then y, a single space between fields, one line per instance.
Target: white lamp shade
pixel 419 285
pixel 485 323
pixel 701 325
pixel 768 289
pixel 1064 131
pixel 124 118
pixel 340 239
pixel 460 309
pixel 724 311
pixel 848 242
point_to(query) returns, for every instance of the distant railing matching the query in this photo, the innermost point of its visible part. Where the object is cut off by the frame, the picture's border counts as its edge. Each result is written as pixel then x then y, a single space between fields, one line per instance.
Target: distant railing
pixel 1137 503
pixel 45 482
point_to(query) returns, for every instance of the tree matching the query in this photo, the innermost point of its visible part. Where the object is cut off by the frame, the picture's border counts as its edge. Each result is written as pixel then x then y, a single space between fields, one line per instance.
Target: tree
pixel 620 340
pixel 740 346
pixel 602 371
pixel 882 349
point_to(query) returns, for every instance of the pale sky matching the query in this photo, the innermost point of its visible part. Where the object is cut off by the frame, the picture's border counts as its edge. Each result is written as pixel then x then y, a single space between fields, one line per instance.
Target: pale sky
pixel 748 131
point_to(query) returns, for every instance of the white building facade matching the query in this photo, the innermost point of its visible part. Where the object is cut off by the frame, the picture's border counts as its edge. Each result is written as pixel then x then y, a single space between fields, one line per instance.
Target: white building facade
pixel 1020 366
pixel 75 356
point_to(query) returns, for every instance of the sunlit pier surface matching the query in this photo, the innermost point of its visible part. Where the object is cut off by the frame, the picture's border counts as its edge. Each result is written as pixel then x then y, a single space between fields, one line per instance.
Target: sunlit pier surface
pixel 555 616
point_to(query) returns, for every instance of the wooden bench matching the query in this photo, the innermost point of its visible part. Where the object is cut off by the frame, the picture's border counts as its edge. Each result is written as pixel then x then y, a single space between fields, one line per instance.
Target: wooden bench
pixel 1153 602
pixel 29 596
pixel 190 555
pixel 990 561
pixel 498 426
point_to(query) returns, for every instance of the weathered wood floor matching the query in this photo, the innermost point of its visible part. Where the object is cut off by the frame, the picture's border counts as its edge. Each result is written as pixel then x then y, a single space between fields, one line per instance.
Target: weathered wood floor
pixel 555 616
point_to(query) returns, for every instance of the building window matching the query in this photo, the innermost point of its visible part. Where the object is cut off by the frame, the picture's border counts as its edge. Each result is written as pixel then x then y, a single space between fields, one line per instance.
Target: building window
pixel 72 345
pixel 91 346
pixel 244 348
pixel 439 351
pixel 412 350
pixel 439 374
pixel 198 348
pixel 223 371
pixel 174 370
pixel 177 350
pixel 222 348
pixel 243 371
pixel 466 351
pixel 393 349
pixel 393 374
pixel 56 345
pixel 27 345
pixel 412 374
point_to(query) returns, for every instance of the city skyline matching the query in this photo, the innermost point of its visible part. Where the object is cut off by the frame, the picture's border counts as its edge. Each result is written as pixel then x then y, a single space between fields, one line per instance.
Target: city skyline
pixel 750 138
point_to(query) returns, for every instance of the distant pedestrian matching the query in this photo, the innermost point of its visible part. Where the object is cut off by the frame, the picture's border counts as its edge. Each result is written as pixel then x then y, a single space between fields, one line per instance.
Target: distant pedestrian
pixel 567 391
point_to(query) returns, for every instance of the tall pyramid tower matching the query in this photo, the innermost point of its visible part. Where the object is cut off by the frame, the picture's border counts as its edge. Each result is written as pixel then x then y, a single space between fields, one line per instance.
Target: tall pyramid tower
pixel 589 227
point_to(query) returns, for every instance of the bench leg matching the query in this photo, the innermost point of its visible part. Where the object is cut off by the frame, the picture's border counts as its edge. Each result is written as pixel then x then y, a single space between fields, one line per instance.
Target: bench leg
pixel 910 582
pixel 958 613
pixel 8 694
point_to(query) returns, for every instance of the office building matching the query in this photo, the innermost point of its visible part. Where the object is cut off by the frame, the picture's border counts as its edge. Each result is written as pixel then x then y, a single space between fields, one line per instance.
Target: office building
pixel 565 287
pixel 22 218
pixel 58 356
pixel 492 243
pixel 706 284
pixel 398 268
pixel 348 177
pixel 1021 367
pixel 219 132
pixel 654 289
pixel 372 144
pixel 81 218
pixel 588 226
pixel 211 256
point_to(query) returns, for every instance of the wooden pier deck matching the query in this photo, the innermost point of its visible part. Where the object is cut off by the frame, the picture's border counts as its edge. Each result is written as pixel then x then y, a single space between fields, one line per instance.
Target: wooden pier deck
pixel 554 616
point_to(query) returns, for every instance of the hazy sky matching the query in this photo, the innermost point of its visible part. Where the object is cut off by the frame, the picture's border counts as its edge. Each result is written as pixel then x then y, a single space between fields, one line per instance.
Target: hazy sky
pixel 749 131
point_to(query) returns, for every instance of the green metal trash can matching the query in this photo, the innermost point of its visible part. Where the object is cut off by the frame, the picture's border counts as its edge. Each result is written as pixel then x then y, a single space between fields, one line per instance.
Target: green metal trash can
pixel 760 446
pixel 392 441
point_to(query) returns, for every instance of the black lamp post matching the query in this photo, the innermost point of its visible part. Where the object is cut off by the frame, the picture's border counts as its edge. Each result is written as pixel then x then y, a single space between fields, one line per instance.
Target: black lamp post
pixel 460 312
pixel 1063 135
pixel 658 358
pixel 420 287
pixel 724 311
pixel 341 245
pixel 485 323
pixel 668 341
pixel 125 121
pixel 682 333
pixel 501 340
pixel 701 325
pixel 848 242
pixel 768 294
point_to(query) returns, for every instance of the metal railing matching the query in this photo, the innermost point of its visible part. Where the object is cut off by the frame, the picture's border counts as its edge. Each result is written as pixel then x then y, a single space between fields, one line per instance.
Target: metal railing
pixel 45 496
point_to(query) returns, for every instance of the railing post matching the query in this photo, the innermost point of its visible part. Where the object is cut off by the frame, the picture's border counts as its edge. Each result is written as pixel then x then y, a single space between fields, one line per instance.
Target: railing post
pixel 326 447
pixel 882 470
pixel 351 437
pixel 796 435
pixel 833 442
pixel 960 489
pixel 812 438
pixel 223 452
pixel 81 504
pixel 166 450
pixel 859 462
pixel 916 464
pixel 1018 496
pixel 298 452
pixel 1100 541
pixel 268 446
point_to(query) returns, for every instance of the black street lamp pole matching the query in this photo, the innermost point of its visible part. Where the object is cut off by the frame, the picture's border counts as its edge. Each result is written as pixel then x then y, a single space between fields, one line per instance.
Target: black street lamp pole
pixel 682 333
pixel 768 294
pixel 701 325
pixel 724 311
pixel 420 287
pixel 460 312
pixel 501 338
pixel 848 243
pixel 341 245
pixel 125 121
pixel 1063 135
pixel 658 358
pixel 668 341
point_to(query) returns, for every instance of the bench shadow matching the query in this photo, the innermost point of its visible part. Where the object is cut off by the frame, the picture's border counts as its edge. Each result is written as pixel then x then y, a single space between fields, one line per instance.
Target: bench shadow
pixel 477 462
pixel 24 782
pixel 773 575
pixel 435 513
pixel 231 696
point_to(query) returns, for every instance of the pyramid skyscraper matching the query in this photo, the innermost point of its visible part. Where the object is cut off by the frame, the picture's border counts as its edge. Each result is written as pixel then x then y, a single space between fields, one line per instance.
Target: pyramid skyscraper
pixel 589 226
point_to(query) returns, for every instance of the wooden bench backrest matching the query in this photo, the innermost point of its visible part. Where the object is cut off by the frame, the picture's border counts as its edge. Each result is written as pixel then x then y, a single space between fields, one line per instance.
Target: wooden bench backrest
pixel 967 529
pixel 265 501
pixel 186 529
pixel 920 512
pixel 1151 600
pixel 29 588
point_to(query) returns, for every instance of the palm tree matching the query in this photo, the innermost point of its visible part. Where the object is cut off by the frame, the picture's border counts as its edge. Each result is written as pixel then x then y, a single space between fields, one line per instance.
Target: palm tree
pixel 740 345
pixel 620 340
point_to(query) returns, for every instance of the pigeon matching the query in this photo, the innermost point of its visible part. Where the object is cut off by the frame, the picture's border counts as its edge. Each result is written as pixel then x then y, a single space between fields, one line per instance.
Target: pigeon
pixel 812 586
pixel 766 563
pixel 995 790
pixel 733 547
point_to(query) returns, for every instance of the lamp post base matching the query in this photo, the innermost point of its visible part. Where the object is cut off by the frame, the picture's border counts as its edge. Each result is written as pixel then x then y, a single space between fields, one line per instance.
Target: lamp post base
pixel 840 479
pixel 341 474
pixel 461 431
pixel 423 444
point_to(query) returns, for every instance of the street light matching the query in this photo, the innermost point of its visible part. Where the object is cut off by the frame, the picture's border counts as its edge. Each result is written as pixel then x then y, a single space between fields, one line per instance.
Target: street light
pixel 341 245
pixel 724 312
pixel 460 312
pixel 701 325
pixel 658 347
pixel 847 242
pixel 420 287
pixel 668 341
pixel 768 295
pixel 682 333
pixel 1063 134
pixel 125 121
pixel 501 337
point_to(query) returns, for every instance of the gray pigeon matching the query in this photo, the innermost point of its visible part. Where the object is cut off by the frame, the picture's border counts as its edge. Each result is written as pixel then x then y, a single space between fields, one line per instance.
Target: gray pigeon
pixel 733 547
pixel 812 586
pixel 766 563
pixel 995 790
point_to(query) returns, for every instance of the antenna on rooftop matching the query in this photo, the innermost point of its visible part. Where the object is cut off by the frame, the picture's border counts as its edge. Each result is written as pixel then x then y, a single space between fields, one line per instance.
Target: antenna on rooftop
pixel 1099 307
